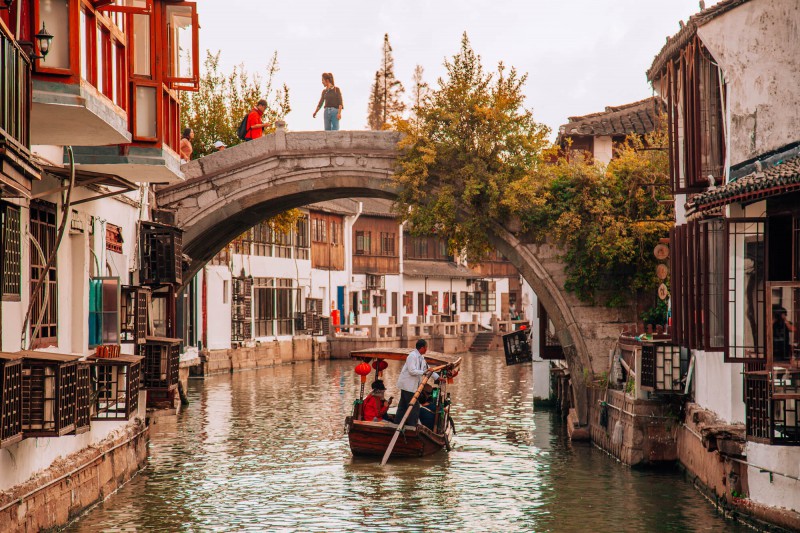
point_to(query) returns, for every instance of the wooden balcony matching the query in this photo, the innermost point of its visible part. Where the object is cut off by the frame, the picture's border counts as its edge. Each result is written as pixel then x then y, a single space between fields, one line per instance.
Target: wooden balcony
pixel 16 168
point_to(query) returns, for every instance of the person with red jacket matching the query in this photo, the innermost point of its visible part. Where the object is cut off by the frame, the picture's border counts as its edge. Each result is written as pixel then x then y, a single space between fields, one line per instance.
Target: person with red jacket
pixel 375 407
pixel 255 121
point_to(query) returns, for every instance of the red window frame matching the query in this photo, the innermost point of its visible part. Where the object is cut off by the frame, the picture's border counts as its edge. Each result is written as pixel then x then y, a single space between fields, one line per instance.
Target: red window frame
pixel 175 82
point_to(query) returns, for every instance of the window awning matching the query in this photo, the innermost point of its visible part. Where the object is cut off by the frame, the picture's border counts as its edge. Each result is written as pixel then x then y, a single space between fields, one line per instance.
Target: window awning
pixel 85 178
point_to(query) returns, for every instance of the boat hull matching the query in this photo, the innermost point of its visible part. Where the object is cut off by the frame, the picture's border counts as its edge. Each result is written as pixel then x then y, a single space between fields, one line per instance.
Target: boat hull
pixel 373 438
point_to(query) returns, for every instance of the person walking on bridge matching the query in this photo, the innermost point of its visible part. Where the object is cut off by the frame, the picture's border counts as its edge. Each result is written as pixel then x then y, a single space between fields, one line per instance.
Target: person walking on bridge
pixel 255 121
pixel 332 100
pixel 409 380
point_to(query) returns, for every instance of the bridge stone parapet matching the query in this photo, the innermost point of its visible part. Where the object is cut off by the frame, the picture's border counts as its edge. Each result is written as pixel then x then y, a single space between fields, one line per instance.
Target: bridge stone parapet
pixel 228 192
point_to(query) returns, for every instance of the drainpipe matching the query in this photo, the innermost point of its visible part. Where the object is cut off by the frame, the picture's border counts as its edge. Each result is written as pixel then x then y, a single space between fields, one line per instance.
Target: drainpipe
pixel 402 283
pixel 349 259
pixel 19 21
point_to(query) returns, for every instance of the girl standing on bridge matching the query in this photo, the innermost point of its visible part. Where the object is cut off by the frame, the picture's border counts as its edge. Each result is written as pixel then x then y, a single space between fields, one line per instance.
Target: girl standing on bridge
pixel 332 99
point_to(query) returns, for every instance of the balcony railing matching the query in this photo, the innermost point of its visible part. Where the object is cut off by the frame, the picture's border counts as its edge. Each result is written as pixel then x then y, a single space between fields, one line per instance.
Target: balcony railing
pixel 15 91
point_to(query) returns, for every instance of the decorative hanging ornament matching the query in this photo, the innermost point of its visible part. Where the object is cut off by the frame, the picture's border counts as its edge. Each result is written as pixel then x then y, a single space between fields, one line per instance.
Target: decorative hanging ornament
pixel 363 370
pixel 380 365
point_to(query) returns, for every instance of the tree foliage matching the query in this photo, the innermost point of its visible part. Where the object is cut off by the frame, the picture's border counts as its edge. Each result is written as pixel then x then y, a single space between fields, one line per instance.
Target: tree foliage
pixel 606 219
pixel 386 96
pixel 223 100
pixel 469 142
pixel 473 155
pixel 215 111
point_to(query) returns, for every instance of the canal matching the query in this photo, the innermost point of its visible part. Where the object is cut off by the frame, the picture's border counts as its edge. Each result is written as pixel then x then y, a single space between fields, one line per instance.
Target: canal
pixel 265 451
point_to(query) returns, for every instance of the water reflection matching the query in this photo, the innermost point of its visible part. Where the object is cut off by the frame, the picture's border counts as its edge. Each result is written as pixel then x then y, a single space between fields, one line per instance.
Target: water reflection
pixel 265 450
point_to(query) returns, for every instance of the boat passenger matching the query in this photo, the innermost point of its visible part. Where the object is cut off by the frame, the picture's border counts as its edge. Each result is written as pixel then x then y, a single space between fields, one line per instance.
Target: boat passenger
pixel 375 407
pixel 427 410
pixel 409 380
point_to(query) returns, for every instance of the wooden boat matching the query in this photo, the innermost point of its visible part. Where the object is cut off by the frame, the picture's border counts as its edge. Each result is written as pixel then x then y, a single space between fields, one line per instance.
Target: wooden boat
pixel 369 438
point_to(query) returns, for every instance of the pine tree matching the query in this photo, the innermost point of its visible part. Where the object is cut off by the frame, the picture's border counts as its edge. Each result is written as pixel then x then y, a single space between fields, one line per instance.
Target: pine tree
pixel 386 99
pixel 421 90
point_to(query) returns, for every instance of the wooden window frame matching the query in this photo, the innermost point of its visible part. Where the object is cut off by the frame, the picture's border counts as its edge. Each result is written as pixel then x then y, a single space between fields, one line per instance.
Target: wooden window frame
pixel 174 82
pixel 730 351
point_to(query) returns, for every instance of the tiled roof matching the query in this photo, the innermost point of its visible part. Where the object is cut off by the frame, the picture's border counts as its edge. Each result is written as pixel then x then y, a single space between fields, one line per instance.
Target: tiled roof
pixel 778 179
pixel 376 207
pixel 638 117
pixel 339 207
pixel 437 269
pixel 687 32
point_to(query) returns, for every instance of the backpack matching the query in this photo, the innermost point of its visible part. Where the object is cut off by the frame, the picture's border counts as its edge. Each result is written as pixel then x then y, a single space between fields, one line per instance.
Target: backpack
pixel 241 131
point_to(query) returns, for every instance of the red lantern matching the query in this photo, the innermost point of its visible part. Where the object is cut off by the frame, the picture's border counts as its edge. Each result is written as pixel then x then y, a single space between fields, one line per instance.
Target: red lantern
pixel 380 365
pixel 523 327
pixel 363 370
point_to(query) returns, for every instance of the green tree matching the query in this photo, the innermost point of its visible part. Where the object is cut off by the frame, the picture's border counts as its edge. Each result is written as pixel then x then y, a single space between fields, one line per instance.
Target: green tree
pixel 216 109
pixel 386 96
pixel 606 220
pixel 472 139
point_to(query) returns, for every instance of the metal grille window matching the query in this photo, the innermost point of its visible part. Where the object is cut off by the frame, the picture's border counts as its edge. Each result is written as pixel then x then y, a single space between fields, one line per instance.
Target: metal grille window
pixel 756 397
pixel 12 251
pixel 747 317
pixel 43 230
pixel 275 302
pixel 664 367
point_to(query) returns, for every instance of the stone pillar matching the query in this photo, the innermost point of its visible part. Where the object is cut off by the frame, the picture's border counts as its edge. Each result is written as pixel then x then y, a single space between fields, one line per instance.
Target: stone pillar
pixel 373 330
pixel 280 135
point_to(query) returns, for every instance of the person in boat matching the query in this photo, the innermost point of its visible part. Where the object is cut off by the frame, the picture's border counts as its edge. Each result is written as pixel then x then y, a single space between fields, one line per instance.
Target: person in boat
pixel 375 407
pixel 427 408
pixel 409 380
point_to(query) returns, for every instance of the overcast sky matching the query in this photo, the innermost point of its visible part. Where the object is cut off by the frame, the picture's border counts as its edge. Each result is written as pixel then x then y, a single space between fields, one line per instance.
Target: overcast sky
pixel 580 55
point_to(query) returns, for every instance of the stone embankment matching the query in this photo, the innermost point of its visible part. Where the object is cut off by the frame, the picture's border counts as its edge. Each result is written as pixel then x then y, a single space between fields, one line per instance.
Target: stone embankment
pixel 58 494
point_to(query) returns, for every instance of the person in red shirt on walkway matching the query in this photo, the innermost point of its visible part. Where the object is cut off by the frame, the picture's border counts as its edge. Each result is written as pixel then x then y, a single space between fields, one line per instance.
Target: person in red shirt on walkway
pixel 255 121
pixel 375 407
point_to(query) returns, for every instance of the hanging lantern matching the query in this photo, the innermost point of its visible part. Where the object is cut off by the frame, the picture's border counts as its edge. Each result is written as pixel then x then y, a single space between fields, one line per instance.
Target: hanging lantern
pixel 363 370
pixel 380 365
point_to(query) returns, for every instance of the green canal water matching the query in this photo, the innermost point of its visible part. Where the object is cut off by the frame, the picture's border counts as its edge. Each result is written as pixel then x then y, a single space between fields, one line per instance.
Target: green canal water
pixel 265 450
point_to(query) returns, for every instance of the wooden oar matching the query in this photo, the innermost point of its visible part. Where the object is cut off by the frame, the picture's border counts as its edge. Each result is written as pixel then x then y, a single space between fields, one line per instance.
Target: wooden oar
pixel 413 401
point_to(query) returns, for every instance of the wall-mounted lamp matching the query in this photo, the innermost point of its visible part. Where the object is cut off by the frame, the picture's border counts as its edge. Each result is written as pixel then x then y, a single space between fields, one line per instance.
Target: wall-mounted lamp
pixel 43 40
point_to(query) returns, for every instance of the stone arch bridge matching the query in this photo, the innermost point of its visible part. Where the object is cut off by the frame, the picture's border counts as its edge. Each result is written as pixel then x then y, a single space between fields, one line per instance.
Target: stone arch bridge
pixel 228 192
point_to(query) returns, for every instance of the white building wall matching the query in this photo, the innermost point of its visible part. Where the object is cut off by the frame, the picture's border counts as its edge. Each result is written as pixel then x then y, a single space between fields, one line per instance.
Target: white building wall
pixel 756 46
pixel 773 489
pixel 218 306
pixel 603 149
pixel 718 386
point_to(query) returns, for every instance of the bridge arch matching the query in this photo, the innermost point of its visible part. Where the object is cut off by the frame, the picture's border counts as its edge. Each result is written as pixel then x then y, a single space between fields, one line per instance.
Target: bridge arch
pixel 228 192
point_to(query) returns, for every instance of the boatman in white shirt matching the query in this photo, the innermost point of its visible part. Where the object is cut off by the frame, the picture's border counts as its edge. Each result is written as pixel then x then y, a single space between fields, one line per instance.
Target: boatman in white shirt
pixel 409 380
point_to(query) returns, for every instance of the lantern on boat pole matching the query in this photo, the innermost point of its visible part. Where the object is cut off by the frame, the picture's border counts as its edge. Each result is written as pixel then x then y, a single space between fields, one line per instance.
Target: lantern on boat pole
pixel 363 369
pixel 380 365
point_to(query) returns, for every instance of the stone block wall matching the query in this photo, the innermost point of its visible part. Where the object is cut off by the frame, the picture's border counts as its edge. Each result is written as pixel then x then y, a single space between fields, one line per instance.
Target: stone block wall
pixel 70 485
pixel 261 355
pixel 639 432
